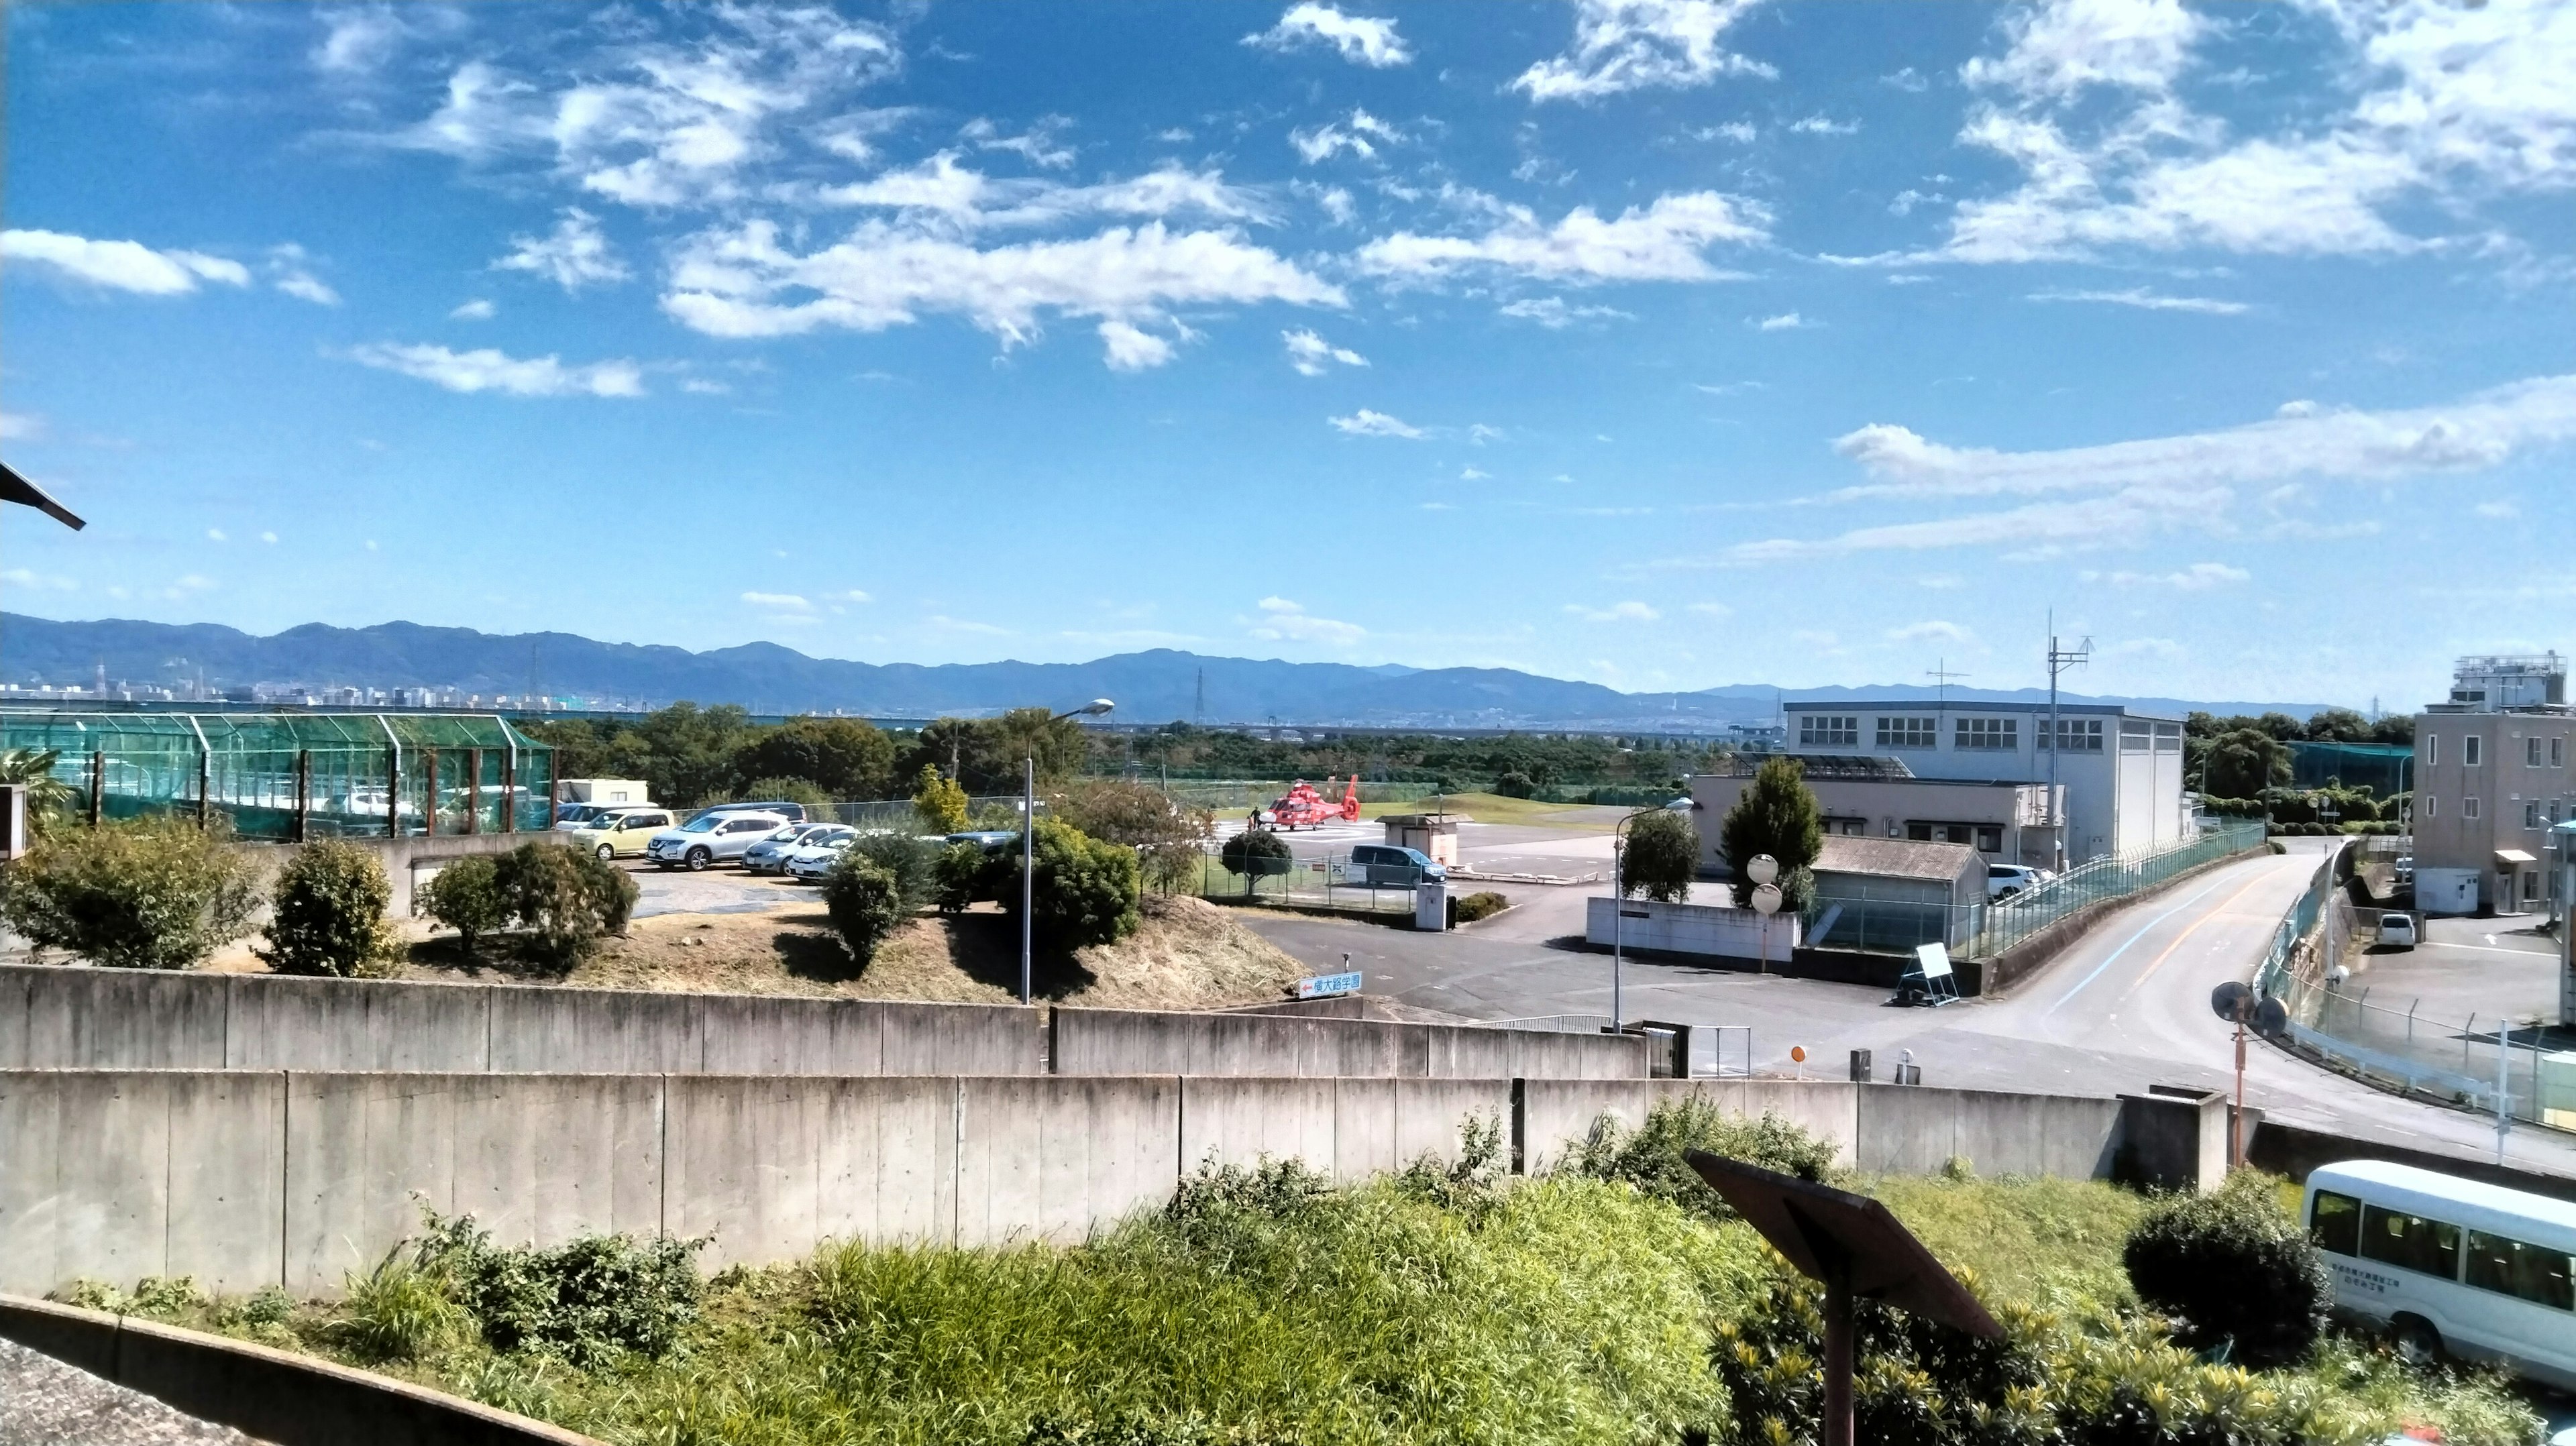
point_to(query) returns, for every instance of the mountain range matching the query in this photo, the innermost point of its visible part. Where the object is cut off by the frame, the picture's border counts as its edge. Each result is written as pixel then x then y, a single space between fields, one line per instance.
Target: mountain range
pixel 1158 686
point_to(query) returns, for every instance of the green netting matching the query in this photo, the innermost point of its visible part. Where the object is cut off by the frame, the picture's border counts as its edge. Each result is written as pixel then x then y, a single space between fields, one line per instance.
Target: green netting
pixel 259 770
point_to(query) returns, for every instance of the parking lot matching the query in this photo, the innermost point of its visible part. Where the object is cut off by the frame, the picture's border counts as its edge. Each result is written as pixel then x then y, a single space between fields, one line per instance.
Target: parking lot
pixel 2467 966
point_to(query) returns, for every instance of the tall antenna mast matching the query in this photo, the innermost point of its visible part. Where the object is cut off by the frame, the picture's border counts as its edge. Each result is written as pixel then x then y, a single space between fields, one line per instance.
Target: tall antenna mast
pixel 2059 660
pixel 1198 713
pixel 1941 677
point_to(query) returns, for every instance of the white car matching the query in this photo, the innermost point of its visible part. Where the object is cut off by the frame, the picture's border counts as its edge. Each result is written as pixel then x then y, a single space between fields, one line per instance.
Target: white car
pixel 769 856
pixel 814 856
pixel 2398 931
pixel 2005 880
pixel 710 839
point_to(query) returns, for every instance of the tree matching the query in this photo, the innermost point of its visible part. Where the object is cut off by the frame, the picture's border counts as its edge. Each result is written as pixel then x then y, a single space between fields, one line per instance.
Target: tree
pixel 465 895
pixel 49 799
pixel 1167 837
pixel 865 903
pixel 327 913
pixel 563 900
pixel 2243 763
pixel 1255 854
pixel 817 803
pixel 2337 725
pixel 2282 726
pixel 847 758
pixel 689 753
pixel 2396 728
pixel 1777 815
pixel 1662 856
pixel 149 893
pixel 1082 891
pixel 911 862
pixel 1515 785
pixel 939 801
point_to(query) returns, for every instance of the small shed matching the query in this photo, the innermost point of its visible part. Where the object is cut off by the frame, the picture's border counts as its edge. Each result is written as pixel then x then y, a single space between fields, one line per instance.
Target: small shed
pixel 1436 834
pixel 1895 894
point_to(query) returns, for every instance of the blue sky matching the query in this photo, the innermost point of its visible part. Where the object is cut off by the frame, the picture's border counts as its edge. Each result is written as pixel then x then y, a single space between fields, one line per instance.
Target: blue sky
pixel 1665 343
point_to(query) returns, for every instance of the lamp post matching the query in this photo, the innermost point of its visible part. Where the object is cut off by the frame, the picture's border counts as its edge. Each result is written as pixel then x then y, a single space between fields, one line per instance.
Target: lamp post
pixel 1763 869
pixel 1029 836
pixel 1619 903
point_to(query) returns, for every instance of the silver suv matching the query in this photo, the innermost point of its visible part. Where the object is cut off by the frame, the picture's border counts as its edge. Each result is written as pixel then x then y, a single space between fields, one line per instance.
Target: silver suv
pixel 711 838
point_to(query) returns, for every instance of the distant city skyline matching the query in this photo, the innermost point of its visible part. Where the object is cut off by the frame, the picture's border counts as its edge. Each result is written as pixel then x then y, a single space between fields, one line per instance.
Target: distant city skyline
pixel 1659 344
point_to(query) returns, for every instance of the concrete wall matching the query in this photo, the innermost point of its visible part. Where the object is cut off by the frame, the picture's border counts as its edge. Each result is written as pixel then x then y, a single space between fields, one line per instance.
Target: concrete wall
pixel 82 1018
pixel 1688 928
pixel 1136 1041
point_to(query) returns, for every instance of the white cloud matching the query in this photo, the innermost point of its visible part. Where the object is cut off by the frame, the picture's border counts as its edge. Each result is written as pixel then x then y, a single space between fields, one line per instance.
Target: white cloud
pixel 1365 423
pixel 1712 610
pixel 2477 432
pixel 575 255
pixel 743 282
pixel 1313 356
pixel 852 135
pixel 2500 507
pixel 187 585
pixel 1131 349
pixel 1621 612
pixel 2125 516
pixel 1470 474
pixel 1325 141
pixel 1283 620
pixel 938 196
pixel 705 387
pixel 475 310
pixel 215 534
pixel 121 265
pixel 945 623
pixel 1553 313
pixel 1661 242
pixel 1623 45
pixel 1726 389
pixel 1361 39
pixel 2199 577
pixel 1785 321
pixel 358 40
pixel 2059 48
pixel 1932 631
pixel 2147 300
pixel 304 285
pixel 1821 125
pixel 20 426
pixel 487 370
pixel 849 595
pixel 782 601
pixel 269 537
pixel 22 578
pixel 1037 145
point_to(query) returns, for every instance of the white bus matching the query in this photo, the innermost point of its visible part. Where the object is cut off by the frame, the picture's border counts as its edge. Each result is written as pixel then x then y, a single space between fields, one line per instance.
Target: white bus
pixel 2451 1265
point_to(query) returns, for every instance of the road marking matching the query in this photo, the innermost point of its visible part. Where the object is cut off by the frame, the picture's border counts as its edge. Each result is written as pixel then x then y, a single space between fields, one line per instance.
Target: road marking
pixel 2088 979
pixel 2490 949
pixel 2158 962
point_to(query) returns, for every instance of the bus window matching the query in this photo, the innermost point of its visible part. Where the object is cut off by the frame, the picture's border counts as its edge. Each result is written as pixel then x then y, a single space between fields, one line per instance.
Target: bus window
pixel 2334 1222
pixel 2412 1242
pixel 2516 1269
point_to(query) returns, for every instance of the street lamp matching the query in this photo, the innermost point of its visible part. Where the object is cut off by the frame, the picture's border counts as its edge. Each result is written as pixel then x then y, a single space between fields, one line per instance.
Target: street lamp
pixel 1763 869
pixel 1029 835
pixel 1619 903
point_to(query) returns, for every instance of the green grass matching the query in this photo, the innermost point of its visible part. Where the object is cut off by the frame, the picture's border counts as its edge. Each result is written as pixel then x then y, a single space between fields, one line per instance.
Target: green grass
pixel 1434 1307
pixel 1495 808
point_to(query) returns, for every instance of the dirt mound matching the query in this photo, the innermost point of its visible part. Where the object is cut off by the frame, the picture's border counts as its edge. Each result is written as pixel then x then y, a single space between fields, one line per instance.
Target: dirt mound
pixel 1187 954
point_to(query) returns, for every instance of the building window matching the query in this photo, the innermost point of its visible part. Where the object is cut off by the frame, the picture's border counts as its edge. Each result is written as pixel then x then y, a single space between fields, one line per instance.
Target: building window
pixel 2531 886
pixel 2557 752
pixel 2077 735
pixel 1989 733
pixel 1826 730
pixel 2468 808
pixel 1990 839
pixel 2531 814
pixel 2472 751
pixel 2429 808
pixel 1909 733
pixel 2168 738
pixel 2432 749
pixel 2135 736
pixel 2531 753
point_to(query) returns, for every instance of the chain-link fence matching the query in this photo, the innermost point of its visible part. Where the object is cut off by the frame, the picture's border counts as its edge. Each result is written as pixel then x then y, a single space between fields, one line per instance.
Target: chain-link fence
pixel 1326 882
pixel 899 814
pixel 1891 918
pixel 2012 919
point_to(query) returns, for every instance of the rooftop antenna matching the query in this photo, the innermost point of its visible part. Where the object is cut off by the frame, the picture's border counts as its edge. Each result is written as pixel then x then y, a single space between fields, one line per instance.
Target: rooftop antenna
pixel 2059 660
pixel 1941 675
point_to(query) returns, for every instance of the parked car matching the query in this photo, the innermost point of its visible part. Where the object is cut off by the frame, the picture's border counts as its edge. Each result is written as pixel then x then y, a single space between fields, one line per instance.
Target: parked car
pixel 2404 872
pixel 614 832
pixel 990 840
pixel 769 856
pixel 811 860
pixel 2005 880
pixel 2398 930
pixel 1389 866
pixel 574 815
pixel 711 838
pixel 792 812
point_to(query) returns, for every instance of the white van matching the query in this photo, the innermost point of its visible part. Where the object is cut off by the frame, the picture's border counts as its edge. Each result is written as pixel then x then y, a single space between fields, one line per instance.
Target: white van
pixel 2451 1265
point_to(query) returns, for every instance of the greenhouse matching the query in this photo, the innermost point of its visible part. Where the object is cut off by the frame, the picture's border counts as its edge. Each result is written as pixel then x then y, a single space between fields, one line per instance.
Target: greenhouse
pixel 292 776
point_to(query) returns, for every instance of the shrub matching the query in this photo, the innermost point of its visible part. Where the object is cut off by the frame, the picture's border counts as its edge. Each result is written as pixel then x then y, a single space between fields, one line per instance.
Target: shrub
pixel 865 903
pixel 587 1301
pixel 562 900
pixel 50 800
pixel 2232 1267
pixel 958 877
pixel 1652 1157
pixel 1661 857
pixel 1483 904
pixel 1167 836
pixel 1082 891
pixel 466 896
pixel 1516 785
pixel 152 893
pixel 940 801
pixel 327 913
pixel 1256 853
pixel 910 861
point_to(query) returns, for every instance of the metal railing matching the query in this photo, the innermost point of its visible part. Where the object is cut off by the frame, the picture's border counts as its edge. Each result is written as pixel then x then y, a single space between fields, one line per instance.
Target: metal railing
pixel 1889 918
pixel 2011 920
pixel 1308 883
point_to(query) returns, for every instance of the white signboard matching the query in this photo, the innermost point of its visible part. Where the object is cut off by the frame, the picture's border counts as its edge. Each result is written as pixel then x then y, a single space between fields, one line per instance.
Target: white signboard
pixel 1933 960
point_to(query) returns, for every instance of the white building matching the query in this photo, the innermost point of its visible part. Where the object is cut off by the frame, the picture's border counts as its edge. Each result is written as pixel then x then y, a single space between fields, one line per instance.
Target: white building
pixel 2119 770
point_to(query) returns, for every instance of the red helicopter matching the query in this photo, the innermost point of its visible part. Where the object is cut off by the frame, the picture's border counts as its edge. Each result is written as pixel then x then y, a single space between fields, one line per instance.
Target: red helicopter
pixel 1302 807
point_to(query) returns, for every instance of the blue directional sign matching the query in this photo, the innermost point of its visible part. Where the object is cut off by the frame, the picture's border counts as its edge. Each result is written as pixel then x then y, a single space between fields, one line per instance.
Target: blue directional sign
pixel 1325 986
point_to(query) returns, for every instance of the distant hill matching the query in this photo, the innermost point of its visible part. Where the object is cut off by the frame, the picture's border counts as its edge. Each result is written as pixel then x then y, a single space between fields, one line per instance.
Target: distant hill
pixel 1150 687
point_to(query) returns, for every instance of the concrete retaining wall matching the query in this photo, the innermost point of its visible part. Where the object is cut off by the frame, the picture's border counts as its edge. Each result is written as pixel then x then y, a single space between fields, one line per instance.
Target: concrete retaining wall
pixel 1136 1041
pixel 1687 928
pixel 81 1018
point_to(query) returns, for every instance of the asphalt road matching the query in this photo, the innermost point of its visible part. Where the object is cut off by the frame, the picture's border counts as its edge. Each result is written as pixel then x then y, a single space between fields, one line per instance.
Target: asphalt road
pixel 2123 1008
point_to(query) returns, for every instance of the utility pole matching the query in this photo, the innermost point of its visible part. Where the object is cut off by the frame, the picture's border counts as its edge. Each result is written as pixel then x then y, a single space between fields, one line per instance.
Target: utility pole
pixel 1198 710
pixel 2059 660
